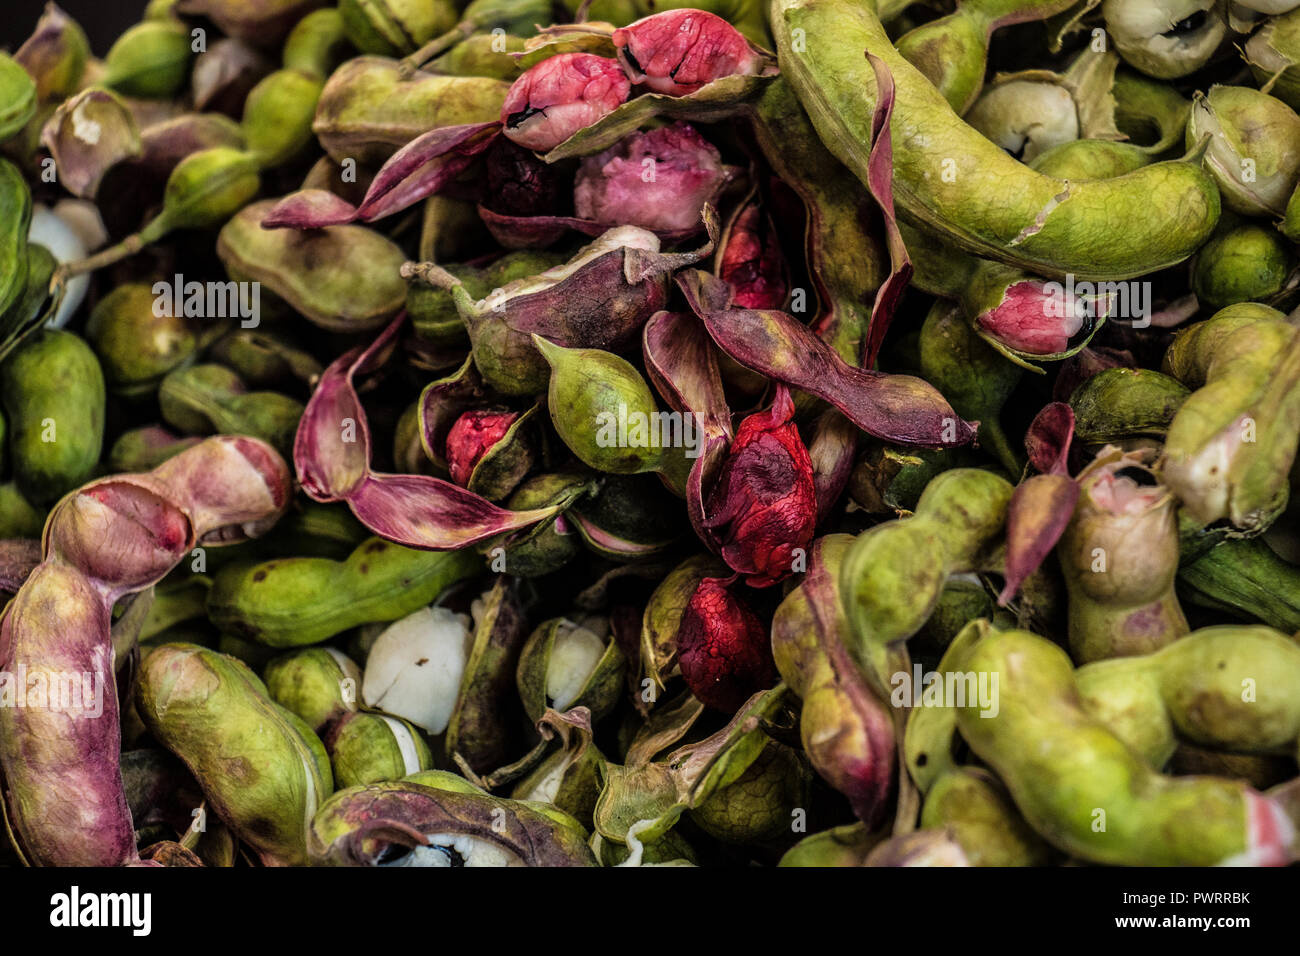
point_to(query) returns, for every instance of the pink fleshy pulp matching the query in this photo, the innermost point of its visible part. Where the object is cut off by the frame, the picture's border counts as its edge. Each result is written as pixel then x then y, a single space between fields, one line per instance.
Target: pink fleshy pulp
pixel 560 96
pixel 1029 320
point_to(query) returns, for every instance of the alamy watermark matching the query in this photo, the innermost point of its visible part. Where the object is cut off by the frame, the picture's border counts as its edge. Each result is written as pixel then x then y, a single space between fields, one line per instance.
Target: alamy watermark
pixel 625 429
pixel 209 300
pixel 1115 300
pixel 69 692
pixel 923 688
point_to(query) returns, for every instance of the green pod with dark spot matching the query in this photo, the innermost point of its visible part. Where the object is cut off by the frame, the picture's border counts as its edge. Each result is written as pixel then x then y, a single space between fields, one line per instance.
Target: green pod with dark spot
pixel 261 768
pixel 52 390
pixel 293 602
pixel 978 811
pixel 395 27
pixel 1247 579
pixel 761 804
pixel 341 278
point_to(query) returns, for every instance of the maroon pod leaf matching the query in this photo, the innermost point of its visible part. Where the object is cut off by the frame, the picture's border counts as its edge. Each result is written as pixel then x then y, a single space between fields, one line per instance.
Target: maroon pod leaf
pixel 89 134
pixel 898 408
pixel 679 51
pixel 1042 505
pixel 310 209
pixel 723 650
pixel 683 366
pixel 332 456
pixel 880 183
pixel 561 95
pixel 763 507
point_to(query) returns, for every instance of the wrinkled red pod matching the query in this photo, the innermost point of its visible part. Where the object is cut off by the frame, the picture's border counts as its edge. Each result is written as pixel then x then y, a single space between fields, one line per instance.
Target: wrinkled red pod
pixel 763 507
pixel 560 96
pixel 752 262
pixel 658 180
pixel 723 648
pixel 678 51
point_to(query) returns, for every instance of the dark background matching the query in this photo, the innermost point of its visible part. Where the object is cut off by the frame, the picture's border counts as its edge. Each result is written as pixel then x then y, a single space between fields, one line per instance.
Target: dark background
pixel 102 20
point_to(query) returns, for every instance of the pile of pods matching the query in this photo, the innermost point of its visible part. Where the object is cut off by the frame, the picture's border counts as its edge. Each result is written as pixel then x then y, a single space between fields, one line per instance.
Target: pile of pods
pixel 805 432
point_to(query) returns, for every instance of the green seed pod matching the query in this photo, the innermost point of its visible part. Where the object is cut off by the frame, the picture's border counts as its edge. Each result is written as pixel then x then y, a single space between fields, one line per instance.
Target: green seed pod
pixel 205 189
pixel 1246 579
pixel 201 399
pixel 567 664
pixel 1120 404
pixel 889 480
pixel 319 684
pixel 265 358
pixel 368 111
pixel 135 345
pixel 1232 445
pixel 848 845
pixel 52 391
pixel 27 310
pixel 408 451
pixel 1193 689
pixel 981 817
pixel 1085 159
pixel 55 56
pixel 261 768
pixel 1246 264
pixel 975 379
pixel 1043 733
pixel 176 600
pixel 395 27
pixel 591 391
pixel 488 54
pixel 1290 224
pixel 17 97
pixel 1254 151
pixel 341 278
pixel 369 748
pixel 293 602
pixel 253 655
pixel 316 44
pixel 19 518
pixel 1274 57
pixel 278 115
pixel 552 544
pixel 433 311
pixel 671 849
pixel 1119 555
pixel 1164 38
pixel 151 59
pixel 144 449
pixel 893 575
pixel 15 221
pixel 760 804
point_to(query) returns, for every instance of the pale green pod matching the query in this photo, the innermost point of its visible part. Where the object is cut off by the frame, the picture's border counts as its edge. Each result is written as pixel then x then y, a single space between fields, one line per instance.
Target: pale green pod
pixel 17 97
pixel 979 813
pixel 368 748
pixel 151 59
pixel 1246 264
pixel 293 602
pixel 319 684
pixel 341 278
pixel 261 768
pixel 1165 38
pixel 950 178
pixel 1254 147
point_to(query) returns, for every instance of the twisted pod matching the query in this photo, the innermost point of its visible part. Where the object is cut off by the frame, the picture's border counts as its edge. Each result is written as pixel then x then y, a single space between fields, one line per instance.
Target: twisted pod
pixel 1085 791
pixel 63 793
pixel 955 182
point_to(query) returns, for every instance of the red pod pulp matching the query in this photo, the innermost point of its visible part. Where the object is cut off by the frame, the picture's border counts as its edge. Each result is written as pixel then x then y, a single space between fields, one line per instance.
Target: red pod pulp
pixel 763 507
pixel 658 180
pixel 678 51
pixel 1031 319
pixel 472 436
pixel 560 96
pixel 723 648
pixel 752 261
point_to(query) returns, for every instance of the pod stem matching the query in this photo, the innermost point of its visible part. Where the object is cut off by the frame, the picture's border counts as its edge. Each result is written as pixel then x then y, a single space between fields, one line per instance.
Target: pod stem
pixel 153 230
pixel 407 66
